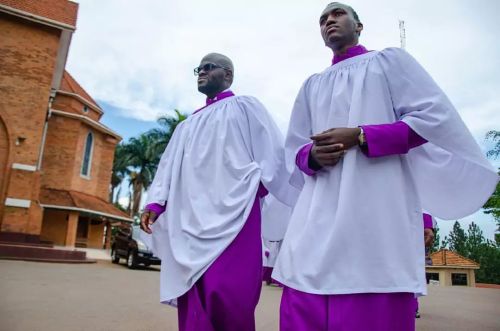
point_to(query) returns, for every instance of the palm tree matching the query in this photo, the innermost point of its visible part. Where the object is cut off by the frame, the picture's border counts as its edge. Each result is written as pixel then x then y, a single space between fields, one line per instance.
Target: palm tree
pixel 138 159
pixel 119 172
pixel 162 135
pixel 143 161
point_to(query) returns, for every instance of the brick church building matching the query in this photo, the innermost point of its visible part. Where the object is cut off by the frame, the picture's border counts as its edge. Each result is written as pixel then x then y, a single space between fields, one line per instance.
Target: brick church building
pixel 55 156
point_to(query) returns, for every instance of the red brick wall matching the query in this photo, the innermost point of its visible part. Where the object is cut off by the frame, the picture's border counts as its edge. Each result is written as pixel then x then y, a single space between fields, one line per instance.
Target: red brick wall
pixel 72 105
pixel 27 58
pixel 95 235
pixel 62 162
pixel 59 154
pixel 4 153
pixel 62 11
pixel 102 164
pixel 55 224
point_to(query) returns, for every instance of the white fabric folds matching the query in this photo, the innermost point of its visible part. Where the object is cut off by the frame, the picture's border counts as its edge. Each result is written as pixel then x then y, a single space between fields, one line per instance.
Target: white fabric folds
pixel 275 218
pixel 357 227
pixel 209 175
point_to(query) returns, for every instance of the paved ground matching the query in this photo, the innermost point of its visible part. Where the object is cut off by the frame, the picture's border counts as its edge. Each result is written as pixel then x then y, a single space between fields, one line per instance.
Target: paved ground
pixel 104 296
pixel 92 253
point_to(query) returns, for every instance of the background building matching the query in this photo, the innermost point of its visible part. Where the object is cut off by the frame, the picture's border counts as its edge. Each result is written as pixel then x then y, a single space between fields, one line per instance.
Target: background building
pixel 55 156
pixel 451 269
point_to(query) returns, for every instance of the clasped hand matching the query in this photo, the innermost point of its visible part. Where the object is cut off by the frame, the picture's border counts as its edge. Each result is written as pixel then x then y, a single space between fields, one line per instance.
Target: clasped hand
pixel 331 145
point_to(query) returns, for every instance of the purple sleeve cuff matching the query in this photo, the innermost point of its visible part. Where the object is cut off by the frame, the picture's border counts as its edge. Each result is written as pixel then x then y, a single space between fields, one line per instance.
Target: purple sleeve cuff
pixel 302 159
pixel 156 208
pixel 390 139
pixel 428 224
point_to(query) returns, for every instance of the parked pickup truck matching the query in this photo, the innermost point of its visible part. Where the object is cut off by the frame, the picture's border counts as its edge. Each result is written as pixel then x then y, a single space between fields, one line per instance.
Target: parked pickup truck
pixel 128 245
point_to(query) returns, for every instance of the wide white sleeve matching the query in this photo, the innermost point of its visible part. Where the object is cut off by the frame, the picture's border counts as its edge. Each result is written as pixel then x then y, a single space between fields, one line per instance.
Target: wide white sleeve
pixel 453 177
pixel 298 135
pixel 265 144
pixel 160 187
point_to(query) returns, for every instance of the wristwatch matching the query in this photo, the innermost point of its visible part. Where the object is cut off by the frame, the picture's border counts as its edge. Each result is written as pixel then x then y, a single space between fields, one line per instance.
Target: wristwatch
pixel 361 138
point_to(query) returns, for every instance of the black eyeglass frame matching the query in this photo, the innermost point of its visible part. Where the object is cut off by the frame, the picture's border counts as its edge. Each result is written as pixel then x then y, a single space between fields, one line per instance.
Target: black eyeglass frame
pixel 208 67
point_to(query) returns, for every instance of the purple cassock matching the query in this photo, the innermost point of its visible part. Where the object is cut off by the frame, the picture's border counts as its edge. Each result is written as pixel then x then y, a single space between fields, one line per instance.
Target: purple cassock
pixel 222 300
pixel 302 311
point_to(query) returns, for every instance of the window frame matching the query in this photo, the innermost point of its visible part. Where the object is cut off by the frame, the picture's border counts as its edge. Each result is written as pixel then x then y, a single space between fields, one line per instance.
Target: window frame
pixel 459 279
pixel 91 153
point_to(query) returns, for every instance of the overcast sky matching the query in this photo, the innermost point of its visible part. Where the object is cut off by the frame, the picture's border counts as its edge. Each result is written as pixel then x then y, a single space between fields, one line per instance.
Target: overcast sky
pixel 136 58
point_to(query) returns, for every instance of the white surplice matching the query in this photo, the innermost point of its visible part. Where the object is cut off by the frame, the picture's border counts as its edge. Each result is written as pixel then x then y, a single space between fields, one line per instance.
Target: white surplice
pixel 208 176
pixel 357 226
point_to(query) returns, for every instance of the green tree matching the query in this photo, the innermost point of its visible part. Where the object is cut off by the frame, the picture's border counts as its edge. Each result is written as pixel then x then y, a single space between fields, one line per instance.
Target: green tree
pixel 488 256
pixel 138 160
pixel 161 136
pixel 457 240
pixel 143 164
pixel 494 135
pixel 119 172
pixel 486 253
pixel 473 245
pixel 492 206
pixel 436 244
pixel 474 240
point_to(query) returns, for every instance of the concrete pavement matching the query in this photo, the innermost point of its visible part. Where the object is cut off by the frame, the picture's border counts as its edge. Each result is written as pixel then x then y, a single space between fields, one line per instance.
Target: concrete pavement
pixel 104 296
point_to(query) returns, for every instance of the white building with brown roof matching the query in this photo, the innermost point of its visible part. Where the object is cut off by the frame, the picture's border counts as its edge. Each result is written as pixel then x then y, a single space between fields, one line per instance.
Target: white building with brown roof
pixel 451 269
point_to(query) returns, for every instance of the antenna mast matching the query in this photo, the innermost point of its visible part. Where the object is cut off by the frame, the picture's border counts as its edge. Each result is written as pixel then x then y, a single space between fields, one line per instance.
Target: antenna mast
pixel 402 34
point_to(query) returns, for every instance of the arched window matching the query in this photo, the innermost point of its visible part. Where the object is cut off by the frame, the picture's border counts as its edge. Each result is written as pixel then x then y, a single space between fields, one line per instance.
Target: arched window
pixel 87 155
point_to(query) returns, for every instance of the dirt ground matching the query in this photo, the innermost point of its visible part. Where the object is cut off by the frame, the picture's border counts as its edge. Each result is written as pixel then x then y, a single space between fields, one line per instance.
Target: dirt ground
pixel 104 296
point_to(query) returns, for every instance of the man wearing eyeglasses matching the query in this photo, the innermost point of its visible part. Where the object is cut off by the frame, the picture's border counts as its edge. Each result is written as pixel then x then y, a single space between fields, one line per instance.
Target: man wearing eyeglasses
pixel 218 165
pixel 375 141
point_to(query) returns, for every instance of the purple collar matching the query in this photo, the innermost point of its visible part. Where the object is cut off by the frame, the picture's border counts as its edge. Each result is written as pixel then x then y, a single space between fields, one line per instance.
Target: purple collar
pixel 218 97
pixel 351 52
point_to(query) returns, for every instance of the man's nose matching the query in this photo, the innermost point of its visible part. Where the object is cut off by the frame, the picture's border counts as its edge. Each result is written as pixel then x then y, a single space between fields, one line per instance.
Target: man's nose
pixel 331 19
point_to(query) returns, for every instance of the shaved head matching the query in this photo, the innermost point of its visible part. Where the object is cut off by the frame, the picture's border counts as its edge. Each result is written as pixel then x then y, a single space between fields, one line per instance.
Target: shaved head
pixel 337 5
pixel 215 74
pixel 218 59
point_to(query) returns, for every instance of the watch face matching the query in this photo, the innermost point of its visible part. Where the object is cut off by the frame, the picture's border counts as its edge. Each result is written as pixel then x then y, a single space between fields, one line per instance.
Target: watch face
pixel 361 137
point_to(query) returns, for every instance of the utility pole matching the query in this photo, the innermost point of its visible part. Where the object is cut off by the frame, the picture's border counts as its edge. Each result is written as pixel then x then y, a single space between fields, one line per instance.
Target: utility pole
pixel 402 33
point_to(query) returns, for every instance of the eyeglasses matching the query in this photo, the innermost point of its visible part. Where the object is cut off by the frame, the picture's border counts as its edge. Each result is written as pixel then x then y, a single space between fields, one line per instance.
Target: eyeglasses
pixel 207 67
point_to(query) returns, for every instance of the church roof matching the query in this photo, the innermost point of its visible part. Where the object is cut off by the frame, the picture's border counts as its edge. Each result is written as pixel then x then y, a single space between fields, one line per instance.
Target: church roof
pixel 78 201
pixel 70 85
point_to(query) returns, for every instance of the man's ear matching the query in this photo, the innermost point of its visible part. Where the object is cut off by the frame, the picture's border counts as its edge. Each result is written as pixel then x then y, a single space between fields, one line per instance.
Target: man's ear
pixel 229 76
pixel 359 28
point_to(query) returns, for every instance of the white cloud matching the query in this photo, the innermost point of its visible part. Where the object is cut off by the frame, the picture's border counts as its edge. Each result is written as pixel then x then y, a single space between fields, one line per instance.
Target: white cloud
pixel 139 55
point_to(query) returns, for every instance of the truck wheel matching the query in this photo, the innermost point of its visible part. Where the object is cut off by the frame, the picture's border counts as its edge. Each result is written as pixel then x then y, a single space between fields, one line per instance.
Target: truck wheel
pixel 131 260
pixel 114 256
